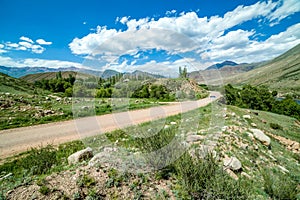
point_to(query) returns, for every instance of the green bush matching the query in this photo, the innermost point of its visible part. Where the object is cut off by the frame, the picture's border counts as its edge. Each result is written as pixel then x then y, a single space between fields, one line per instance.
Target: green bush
pixel 204 179
pixel 275 126
pixel 279 185
pixel 44 190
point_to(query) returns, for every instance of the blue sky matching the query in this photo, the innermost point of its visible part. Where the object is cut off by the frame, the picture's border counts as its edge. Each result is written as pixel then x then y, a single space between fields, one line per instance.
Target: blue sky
pixel 156 36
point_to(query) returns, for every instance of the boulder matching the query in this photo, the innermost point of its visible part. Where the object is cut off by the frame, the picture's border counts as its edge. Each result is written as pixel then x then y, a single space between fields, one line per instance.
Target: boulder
pixel 259 135
pixel 80 156
pixel 232 163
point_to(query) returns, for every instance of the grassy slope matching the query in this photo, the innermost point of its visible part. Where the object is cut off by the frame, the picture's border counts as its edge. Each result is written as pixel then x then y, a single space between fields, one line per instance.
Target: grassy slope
pixel 281 73
pixel 51 75
pixel 15 86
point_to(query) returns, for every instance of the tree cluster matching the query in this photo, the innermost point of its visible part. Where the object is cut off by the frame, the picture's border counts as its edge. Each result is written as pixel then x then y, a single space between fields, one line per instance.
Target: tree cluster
pixel 58 84
pixel 260 98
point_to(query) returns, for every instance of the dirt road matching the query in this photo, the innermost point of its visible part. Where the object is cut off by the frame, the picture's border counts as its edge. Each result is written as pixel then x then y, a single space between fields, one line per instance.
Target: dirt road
pixel 17 140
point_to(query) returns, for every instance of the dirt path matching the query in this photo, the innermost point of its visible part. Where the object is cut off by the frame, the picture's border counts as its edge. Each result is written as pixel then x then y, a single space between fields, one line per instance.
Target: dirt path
pixel 13 141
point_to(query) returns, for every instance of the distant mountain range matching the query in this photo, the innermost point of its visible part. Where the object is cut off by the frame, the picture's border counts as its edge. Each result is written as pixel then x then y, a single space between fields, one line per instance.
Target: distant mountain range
pixel 18 72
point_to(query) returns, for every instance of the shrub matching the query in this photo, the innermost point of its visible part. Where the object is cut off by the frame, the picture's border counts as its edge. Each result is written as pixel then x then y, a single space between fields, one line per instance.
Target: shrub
pixel 44 190
pixel 279 186
pixel 204 179
pixel 275 126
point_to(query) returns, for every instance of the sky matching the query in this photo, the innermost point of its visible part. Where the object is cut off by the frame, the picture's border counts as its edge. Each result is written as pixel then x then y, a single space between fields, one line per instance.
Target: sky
pixel 155 36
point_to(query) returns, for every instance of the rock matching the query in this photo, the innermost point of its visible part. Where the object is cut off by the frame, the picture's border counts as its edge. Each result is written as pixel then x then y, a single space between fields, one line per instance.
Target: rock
pixel 166 126
pixel 232 174
pixel 264 121
pixel 253 125
pixel 283 169
pixel 246 175
pixel 80 156
pixel 232 163
pixel 173 123
pixel 194 138
pixel 259 135
pixel 246 116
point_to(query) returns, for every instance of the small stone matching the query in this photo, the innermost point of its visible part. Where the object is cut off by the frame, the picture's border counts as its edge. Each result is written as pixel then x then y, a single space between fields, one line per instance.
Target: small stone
pixel 173 123
pixel 246 116
pixel 253 125
pixel 246 175
pixel 232 174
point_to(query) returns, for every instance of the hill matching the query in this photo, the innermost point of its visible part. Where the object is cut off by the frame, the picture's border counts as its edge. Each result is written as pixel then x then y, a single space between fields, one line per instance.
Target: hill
pixel 221 65
pixel 214 76
pixel 16 86
pixel 51 75
pixel 281 73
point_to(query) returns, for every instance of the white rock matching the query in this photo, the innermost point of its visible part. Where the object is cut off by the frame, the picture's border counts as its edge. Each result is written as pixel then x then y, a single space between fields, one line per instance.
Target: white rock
pixel 253 125
pixel 259 135
pixel 173 123
pixel 246 116
pixel 232 163
pixel 80 156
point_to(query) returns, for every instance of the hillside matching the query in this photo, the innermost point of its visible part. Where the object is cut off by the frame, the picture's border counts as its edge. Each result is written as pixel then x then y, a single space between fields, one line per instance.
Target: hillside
pixel 16 86
pixel 213 76
pixel 281 73
pixel 51 75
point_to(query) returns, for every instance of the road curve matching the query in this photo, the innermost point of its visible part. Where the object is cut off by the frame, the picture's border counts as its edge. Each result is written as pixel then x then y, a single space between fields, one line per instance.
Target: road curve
pixel 17 140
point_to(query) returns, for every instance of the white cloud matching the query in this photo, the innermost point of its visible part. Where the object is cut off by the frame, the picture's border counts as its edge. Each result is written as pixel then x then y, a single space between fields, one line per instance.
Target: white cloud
pixel 33 47
pixel 7 61
pixel 87 44
pixel 10 45
pixel 43 42
pixel 26 39
pixel 214 38
pixel 254 51
pixel 284 9
pixel 124 20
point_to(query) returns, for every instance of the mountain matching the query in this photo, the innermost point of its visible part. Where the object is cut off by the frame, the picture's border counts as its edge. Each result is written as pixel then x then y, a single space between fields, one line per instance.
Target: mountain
pixel 281 73
pixel 18 72
pixel 221 65
pixel 109 73
pixel 145 74
pixel 214 76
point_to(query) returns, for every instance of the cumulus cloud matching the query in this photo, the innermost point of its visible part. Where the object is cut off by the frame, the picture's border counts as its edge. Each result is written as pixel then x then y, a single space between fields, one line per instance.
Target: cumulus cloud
pixel 214 38
pixel 26 39
pixel 43 42
pixel 254 50
pixel 7 61
pixel 284 9
pixel 124 20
